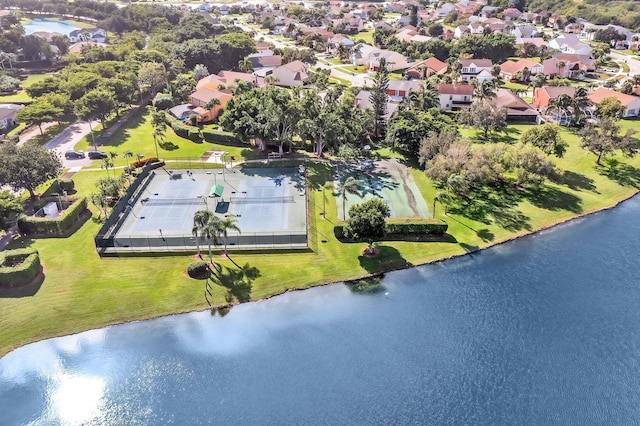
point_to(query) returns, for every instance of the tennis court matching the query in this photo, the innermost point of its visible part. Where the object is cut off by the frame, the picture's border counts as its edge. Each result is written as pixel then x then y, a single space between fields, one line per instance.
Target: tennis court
pixel 269 205
pixel 388 180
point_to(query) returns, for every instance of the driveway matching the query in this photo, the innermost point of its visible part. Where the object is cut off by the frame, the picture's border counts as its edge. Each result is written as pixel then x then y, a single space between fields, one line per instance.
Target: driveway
pixel 67 139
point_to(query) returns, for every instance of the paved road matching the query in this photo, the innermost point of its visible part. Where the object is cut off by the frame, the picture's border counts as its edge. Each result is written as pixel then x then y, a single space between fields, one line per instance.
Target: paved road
pixel 633 62
pixel 67 139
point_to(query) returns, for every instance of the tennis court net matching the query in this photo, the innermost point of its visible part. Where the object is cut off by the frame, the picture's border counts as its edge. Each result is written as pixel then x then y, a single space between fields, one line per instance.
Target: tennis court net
pixel 171 201
pixel 261 200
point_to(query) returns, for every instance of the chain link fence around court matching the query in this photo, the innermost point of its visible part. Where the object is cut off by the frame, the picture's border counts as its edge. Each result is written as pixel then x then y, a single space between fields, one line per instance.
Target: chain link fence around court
pixel 159 242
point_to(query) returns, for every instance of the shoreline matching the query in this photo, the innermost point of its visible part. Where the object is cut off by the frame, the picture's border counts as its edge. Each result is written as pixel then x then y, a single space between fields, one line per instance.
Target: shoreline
pixel 279 293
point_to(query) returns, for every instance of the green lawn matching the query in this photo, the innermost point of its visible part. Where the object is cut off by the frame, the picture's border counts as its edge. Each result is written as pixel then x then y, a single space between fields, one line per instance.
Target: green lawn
pixel 136 136
pixel 83 291
pixel 366 36
pixel 21 95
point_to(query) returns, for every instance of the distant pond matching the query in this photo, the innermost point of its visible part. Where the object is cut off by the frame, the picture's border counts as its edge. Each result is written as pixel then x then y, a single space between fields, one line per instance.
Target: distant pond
pixel 48 25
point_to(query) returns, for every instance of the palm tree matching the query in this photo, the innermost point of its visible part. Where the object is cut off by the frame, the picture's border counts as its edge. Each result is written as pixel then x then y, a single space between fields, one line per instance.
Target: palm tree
pixel 211 231
pixel 560 65
pixel 579 104
pixel 453 181
pixel 229 222
pixel 200 219
pixel 245 65
pixel 484 90
pixel 561 105
pixel 126 155
pixel 350 186
pixel 212 103
pixel 440 197
pixel 107 163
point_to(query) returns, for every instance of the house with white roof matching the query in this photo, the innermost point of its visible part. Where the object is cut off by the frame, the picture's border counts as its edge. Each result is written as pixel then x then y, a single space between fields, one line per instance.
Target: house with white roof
pixel 294 73
pixel 569 43
pixel 480 69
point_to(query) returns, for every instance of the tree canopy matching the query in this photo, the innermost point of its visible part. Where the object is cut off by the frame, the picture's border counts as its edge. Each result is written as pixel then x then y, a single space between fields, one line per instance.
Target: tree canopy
pixel 27 166
pixel 367 221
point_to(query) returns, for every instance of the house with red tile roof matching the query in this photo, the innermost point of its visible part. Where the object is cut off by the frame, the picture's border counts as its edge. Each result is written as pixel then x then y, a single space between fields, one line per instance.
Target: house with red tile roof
pixel 630 103
pixel 427 68
pixel 543 95
pixel 509 69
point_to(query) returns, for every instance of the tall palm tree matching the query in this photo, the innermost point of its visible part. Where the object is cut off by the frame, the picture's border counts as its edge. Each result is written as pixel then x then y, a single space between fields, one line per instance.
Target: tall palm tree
pixel 107 163
pixel 211 231
pixel 229 222
pixel 245 65
pixel 350 186
pixel 200 219
pixel 561 105
pixel 484 90
pixel 453 181
pixel 560 65
pixel 440 197
pixel 579 104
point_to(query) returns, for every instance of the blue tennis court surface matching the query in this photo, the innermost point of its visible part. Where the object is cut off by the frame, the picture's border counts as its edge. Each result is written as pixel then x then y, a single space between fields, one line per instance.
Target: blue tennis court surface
pixel 269 205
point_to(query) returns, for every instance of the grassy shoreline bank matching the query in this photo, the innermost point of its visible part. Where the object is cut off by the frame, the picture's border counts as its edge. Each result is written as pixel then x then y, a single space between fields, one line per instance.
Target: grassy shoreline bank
pixel 82 291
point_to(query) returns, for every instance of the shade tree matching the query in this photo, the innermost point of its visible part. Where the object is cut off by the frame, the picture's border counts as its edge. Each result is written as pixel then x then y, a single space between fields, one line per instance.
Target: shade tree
pixel 27 166
pixel 367 221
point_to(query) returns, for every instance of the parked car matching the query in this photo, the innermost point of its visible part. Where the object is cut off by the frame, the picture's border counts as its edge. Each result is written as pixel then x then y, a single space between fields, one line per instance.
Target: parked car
pixel 73 155
pixel 97 155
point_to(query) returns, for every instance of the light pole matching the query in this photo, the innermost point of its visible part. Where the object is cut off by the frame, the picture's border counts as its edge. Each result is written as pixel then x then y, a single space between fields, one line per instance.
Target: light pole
pixel 59 200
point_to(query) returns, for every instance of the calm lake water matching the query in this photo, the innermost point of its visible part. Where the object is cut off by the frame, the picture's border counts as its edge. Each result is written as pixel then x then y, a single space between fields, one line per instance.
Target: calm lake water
pixel 38 24
pixel 544 330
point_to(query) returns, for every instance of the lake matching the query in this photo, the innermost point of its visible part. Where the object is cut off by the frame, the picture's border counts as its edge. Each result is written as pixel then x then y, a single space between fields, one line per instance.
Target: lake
pixel 542 330
pixel 48 25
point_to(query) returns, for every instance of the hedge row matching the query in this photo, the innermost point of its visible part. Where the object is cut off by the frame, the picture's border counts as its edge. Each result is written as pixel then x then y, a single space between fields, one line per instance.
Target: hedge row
pixel 24 272
pixel 55 226
pixel 416 225
pixel 223 138
pixel 183 130
pixel 404 226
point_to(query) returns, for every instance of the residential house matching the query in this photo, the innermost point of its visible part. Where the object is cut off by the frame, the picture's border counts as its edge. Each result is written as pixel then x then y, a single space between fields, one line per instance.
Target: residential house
pixel 488 11
pixel 511 13
pixel 324 34
pixel 525 32
pixel 531 17
pixel 264 59
pixel 569 43
pixel 349 23
pixel 574 66
pixel 509 69
pixel 340 40
pixel 465 10
pixel 630 103
pixel 82 46
pixel 454 96
pixel 427 68
pixel 476 28
pixel 460 31
pixel 399 89
pixel 518 110
pixel 363 102
pixel 394 60
pixel 294 73
pixel 8 116
pixel 556 21
pixel 444 10
pixel 480 69
pixel 204 95
pixel 543 95
pixel 97 35
pixel 381 25
pixel 409 35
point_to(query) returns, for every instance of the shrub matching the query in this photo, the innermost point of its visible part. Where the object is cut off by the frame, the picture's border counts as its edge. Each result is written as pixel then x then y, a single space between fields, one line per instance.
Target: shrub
pixel 66 185
pixel 198 270
pixel 141 162
pixel 194 134
pixel 223 138
pixel 18 267
pixel 53 226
